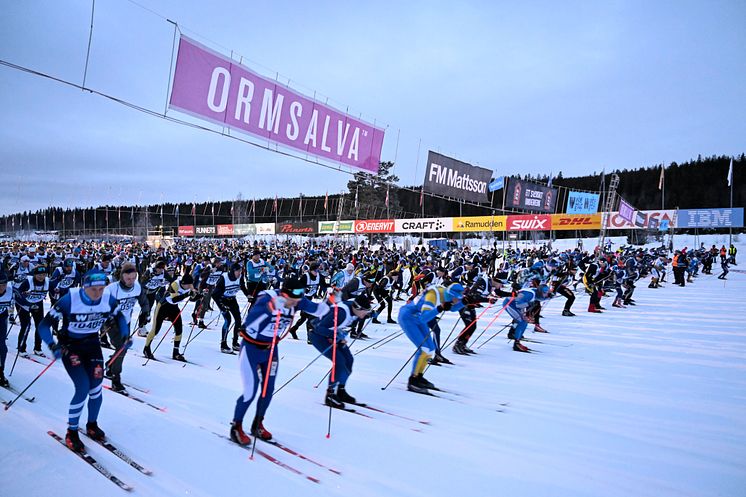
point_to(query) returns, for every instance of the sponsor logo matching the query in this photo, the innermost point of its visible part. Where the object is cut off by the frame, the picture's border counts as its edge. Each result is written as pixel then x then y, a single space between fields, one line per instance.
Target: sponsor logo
pixel 529 223
pixel 436 225
pixel 455 179
pixel 480 223
pixel 336 227
pixel 186 230
pixel 292 228
pixel 378 226
pixel 225 229
pixel 575 221
pixel 205 230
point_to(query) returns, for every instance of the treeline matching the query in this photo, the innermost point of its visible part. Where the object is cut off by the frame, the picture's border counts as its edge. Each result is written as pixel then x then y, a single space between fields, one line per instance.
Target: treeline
pixel 699 183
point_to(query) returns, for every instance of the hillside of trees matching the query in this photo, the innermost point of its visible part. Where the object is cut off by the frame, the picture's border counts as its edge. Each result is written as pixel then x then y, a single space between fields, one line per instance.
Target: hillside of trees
pixel 699 183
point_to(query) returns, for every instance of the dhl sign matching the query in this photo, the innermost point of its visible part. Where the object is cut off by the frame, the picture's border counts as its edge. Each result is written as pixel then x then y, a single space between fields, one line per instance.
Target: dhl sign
pixel 480 223
pixel 576 222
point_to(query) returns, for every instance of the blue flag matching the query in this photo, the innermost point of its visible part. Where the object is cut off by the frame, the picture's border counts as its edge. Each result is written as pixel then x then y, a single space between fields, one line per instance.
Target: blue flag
pixel 496 183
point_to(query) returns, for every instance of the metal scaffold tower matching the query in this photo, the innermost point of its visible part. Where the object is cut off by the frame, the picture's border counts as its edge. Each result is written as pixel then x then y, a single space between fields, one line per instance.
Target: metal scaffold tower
pixel 609 205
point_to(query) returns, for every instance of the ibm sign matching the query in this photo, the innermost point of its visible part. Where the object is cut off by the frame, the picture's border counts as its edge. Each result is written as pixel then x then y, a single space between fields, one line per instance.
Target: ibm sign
pixel 710 218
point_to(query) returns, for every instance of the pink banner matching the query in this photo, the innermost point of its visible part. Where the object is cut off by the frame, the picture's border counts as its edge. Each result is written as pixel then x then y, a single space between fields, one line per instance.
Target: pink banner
pixel 209 85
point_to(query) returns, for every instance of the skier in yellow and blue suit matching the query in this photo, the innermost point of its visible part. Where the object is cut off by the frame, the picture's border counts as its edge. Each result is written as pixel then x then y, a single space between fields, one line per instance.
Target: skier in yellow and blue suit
pixel 414 318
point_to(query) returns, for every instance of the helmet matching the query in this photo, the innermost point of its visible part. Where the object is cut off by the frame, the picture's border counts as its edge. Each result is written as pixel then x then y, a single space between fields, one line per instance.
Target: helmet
pixel 543 290
pixel 454 291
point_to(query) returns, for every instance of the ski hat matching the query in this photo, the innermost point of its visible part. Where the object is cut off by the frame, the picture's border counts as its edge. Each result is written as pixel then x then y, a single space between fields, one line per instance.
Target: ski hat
pixel 235 266
pixel 39 270
pixel 361 302
pixel 25 258
pixel 542 290
pixel 94 278
pixel 350 267
pixel 187 279
pixel 454 291
pixel 293 288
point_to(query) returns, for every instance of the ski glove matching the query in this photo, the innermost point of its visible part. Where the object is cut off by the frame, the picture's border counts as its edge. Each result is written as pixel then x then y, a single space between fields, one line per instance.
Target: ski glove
pixel 445 306
pixel 56 349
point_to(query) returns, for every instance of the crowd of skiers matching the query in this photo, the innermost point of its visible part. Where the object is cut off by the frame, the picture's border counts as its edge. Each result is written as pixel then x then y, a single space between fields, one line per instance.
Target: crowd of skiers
pixel 93 288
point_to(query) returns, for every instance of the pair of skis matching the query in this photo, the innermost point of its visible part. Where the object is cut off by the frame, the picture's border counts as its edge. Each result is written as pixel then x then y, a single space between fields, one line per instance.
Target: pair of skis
pixel 91 461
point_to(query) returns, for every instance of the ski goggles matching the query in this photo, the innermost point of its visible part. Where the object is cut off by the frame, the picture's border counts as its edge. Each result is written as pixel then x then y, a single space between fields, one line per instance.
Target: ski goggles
pixel 296 293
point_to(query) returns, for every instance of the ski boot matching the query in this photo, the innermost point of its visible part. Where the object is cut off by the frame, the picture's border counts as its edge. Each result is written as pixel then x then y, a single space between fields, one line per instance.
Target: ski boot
pixel 39 353
pixel 225 349
pixel 238 435
pixel 72 440
pixel 568 313
pixel 293 332
pixel 236 346
pixel 413 385
pixel 94 432
pixel 176 356
pixel 3 380
pixel 376 321
pixel 117 386
pixel 441 358
pixel 539 329
pixel 422 381
pixel 147 352
pixel 201 325
pixel 343 396
pixel 519 347
pixel 259 431
pixel 459 348
pixel 332 400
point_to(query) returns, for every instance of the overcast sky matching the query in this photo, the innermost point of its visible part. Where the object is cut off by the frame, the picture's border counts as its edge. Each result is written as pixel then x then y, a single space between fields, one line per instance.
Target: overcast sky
pixel 516 87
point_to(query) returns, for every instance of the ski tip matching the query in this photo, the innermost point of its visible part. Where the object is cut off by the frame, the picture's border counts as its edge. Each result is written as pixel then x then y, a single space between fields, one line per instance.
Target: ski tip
pixel 315 480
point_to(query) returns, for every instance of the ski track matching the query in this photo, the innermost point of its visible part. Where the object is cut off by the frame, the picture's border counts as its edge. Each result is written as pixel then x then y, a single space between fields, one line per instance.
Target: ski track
pixel 648 401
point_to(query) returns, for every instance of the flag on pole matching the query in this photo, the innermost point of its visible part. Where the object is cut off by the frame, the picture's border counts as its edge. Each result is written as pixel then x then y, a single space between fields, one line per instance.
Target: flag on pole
pixel 497 183
pixel 549 183
pixel 194 209
pixel 300 204
pixel 326 200
pixel 176 210
pixel 274 204
pixel 119 213
pixel 660 181
pixel 232 210
pixel 387 196
pixel 213 208
pixel 132 215
pixel 422 194
pixel 603 179
pixel 253 205
pixel 357 188
pixel 730 172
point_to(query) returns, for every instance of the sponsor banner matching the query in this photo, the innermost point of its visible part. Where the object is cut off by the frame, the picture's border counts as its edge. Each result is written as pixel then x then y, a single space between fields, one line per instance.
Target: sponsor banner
pixel 375 226
pixel 616 222
pixel 453 178
pixel 641 220
pixel 535 222
pixel 529 196
pixel 205 230
pixel 582 203
pixel 480 223
pixel 244 229
pixel 653 224
pixel 211 86
pixel 431 225
pixel 331 227
pixel 496 184
pixel 296 228
pixel 576 222
pixel 225 229
pixel 265 228
pixel 186 231
pixel 710 218
pixel 626 211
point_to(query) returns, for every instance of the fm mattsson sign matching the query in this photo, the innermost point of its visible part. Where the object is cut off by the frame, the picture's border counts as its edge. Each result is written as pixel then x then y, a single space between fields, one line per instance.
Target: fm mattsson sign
pixel 453 178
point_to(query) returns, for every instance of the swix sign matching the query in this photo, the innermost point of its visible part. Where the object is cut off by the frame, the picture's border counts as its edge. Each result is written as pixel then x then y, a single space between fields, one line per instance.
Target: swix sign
pixel 576 222
pixel 536 222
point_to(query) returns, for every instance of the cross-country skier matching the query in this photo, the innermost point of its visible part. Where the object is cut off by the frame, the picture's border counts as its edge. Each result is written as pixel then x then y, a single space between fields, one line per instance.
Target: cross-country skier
pixel 29 296
pixel 83 311
pixel 224 295
pixel 517 307
pixel 322 337
pixel 168 310
pixel 266 323
pixel 414 318
pixel 6 303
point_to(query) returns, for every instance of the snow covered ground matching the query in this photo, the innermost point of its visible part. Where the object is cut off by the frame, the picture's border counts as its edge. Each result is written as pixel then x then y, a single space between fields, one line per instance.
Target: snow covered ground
pixel 645 401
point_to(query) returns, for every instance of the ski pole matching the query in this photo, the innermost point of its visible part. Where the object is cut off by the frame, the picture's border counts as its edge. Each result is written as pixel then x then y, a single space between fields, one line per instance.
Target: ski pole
pixel 487 327
pixel 495 318
pixel 303 369
pixel 351 343
pixel 194 321
pixel 166 333
pixel 18 351
pixel 7 406
pixel 381 341
pixel 448 344
pixel 493 336
pixel 427 335
pixel 121 349
pixel 334 366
